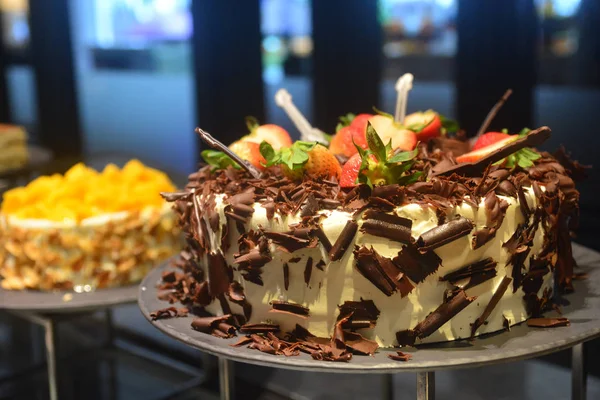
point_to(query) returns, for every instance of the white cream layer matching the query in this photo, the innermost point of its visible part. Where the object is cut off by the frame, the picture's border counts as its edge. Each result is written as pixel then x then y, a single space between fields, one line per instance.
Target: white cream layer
pixel 341 281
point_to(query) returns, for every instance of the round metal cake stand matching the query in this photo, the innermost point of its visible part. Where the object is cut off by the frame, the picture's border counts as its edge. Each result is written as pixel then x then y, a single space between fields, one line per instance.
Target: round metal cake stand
pixel 48 309
pixel 581 307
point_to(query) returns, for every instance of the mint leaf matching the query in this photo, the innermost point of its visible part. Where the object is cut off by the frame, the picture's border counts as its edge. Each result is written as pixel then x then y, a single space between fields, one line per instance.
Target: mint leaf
pixel 524 132
pixel 218 159
pixel 448 125
pixel 269 153
pixel 376 144
pixel 403 156
pixel 505 131
pixel 293 157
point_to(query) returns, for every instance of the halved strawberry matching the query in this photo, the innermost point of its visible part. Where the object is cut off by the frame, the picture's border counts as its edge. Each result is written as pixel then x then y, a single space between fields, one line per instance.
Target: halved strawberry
pixel 360 123
pixel 273 134
pixel 250 152
pixel 426 124
pixel 475 155
pixel 489 138
pixel 388 129
pixel 350 171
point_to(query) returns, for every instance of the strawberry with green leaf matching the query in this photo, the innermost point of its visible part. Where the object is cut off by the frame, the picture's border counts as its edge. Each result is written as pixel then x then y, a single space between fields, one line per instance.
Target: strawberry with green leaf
pixel 275 135
pixel 350 130
pixel 302 158
pixel 493 141
pixel 379 164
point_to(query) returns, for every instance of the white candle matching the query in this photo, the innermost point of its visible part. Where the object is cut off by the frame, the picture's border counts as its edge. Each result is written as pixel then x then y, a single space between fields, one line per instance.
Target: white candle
pixel 307 133
pixel 403 86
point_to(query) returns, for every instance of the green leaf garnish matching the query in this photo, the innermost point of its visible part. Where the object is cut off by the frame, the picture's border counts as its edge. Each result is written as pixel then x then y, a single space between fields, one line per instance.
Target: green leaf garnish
pixel 376 144
pixel 293 157
pixel 403 156
pixel 252 123
pixel 505 131
pixel 345 120
pixel 448 125
pixel 218 159
pixel 524 157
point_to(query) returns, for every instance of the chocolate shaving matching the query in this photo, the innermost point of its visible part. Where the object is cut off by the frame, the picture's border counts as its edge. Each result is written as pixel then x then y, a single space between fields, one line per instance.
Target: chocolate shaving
pixel 548 322
pixel 359 344
pixel 416 265
pixel 308 270
pixel 361 310
pixel 218 276
pixel 443 234
pixel 475 273
pixel 443 314
pixel 174 196
pixel 208 324
pixel 533 138
pixel 389 226
pixel 310 207
pixel 406 337
pixel 259 328
pixel 400 356
pixel 288 242
pixel 343 241
pixel 286 276
pixel 292 308
pixel 381 272
pixel 500 290
pixel 320 234
pixel 169 312
pixel 320 265
pixel 236 295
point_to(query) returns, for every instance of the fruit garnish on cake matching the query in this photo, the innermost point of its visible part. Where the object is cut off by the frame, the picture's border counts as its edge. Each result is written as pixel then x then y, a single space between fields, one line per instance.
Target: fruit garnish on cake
pixel 86 229
pixel 400 232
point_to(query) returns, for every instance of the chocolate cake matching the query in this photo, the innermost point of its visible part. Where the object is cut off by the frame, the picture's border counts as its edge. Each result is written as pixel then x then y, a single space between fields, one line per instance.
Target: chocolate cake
pixel 337 251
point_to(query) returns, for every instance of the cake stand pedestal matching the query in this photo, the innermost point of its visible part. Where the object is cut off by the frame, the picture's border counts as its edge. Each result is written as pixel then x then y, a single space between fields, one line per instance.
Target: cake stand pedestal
pixel 581 307
pixel 48 309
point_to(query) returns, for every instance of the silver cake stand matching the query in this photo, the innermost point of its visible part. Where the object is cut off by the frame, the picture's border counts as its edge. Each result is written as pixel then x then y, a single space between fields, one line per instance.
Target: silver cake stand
pixel 582 308
pixel 48 309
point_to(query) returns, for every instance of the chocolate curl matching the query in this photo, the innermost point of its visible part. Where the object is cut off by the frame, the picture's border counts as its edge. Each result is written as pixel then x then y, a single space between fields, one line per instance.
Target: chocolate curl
pixel 491 305
pixel 389 226
pixel 493 112
pixel 293 308
pixel 443 314
pixel 343 241
pixel 215 144
pixel 443 234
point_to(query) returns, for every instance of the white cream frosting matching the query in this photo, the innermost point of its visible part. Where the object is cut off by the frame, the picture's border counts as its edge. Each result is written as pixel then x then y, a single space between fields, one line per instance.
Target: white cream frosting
pixel 341 281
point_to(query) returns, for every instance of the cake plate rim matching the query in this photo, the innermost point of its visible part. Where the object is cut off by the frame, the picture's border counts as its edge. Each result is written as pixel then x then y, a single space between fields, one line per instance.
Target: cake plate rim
pixel 59 301
pixel 520 343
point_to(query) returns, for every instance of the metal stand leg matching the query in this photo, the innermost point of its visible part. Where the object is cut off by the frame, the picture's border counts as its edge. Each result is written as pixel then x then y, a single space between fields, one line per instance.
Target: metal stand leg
pixel 226 379
pixel 425 385
pixel 387 386
pixel 578 373
pixel 50 338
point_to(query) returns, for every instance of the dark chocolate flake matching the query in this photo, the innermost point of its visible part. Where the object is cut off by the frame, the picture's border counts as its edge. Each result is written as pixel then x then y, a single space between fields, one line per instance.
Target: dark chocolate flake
pixel 474 274
pixel 389 226
pixel 400 356
pixel 259 328
pixel 416 265
pixel 491 305
pixel 218 276
pixel 369 267
pixel 292 308
pixel 286 276
pixel 287 242
pixel 343 241
pixel 443 314
pixel 548 322
pixel 308 270
pixel 169 312
pixel 443 234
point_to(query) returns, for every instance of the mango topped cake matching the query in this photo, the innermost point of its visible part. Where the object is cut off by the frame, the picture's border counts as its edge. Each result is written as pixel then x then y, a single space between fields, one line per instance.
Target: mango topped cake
pixel 393 234
pixel 87 229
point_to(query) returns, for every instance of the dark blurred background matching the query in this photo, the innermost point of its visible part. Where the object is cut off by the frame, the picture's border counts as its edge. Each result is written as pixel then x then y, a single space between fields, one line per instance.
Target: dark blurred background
pixel 105 80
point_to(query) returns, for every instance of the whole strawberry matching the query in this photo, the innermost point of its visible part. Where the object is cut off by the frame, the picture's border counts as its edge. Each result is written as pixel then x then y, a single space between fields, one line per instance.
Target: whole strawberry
pixel 273 134
pixel 303 158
